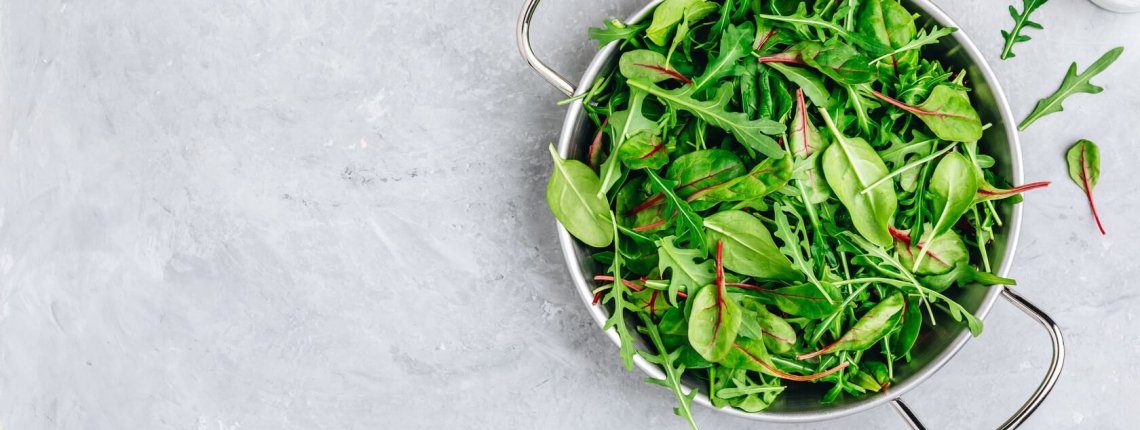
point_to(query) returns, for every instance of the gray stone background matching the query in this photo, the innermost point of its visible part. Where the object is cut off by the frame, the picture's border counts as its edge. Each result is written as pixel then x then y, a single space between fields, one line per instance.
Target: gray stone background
pixel 289 214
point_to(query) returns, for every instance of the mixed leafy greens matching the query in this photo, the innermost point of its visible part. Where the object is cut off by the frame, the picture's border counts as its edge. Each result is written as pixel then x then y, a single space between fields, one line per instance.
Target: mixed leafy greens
pixel 780 192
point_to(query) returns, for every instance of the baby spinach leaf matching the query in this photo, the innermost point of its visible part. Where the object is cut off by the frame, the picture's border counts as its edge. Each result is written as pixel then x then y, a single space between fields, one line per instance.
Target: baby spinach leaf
pixel 947 112
pixel 748 246
pixel 873 326
pixel 753 133
pixel 687 268
pixel 909 327
pixel 1020 22
pixel 952 189
pixel 649 66
pixel 1072 84
pixel 850 165
pixel 572 196
pixel 1084 169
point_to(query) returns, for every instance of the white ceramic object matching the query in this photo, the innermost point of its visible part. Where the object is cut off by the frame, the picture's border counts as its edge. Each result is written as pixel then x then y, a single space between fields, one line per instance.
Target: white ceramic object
pixel 1119 6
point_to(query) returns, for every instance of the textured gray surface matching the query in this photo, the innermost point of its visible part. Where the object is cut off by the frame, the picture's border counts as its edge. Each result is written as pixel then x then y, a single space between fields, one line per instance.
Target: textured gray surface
pixel 280 214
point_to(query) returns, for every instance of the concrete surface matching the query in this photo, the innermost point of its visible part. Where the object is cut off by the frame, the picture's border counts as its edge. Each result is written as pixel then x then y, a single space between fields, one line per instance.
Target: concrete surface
pixel 301 215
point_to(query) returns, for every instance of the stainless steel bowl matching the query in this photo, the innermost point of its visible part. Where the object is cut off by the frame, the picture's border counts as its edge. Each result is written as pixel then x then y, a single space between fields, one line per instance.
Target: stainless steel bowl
pixel 800 403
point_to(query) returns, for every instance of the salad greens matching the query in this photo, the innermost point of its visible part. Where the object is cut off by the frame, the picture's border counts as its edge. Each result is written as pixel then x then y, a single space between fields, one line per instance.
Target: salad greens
pixel 781 193
pixel 1084 168
pixel 1020 22
pixel 1072 84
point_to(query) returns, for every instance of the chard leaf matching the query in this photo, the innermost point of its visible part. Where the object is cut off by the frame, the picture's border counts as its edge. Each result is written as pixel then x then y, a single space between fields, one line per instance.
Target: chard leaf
pixel 1084 169
pixel 948 113
pixel 714 322
pixel 649 66
pixel 1072 84
pixel 837 60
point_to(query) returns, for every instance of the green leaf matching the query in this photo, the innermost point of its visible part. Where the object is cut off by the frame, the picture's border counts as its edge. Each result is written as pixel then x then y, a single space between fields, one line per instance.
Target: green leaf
pixel 873 326
pixel 909 327
pixel 703 170
pixel 779 336
pixel 945 251
pixel 751 133
pixel 643 150
pixel 735 43
pixel 887 22
pixel 948 113
pixel 688 223
pixel 1020 21
pixel 1072 84
pixel 624 124
pixel 673 373
pixel 924 38
pixel 805 300
pixel 615 29
pixel 687 268
pixel 572 196
pixel 648 66
pixel 713 322
pixel 767 176
pixel 811 83
pixel 838 60
pixel 1084 169
pixel 961 275
pixel 667 15
pixel 952 189
pixel 850 165
pixel 748 246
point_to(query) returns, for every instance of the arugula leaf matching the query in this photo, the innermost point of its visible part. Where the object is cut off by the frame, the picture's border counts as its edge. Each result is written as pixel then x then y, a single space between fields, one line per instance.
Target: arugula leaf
pixel 811 84
pixel 686 273
pixel 1084 169
pixel 687 221
pixel 1072 84
pixel 1020 22
pixel 735 43
pixel 615 29
pixel 753 133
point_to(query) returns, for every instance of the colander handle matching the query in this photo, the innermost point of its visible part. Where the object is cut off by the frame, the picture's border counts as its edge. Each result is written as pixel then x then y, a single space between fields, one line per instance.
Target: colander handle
pixel 522 35
pixel 1042 391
